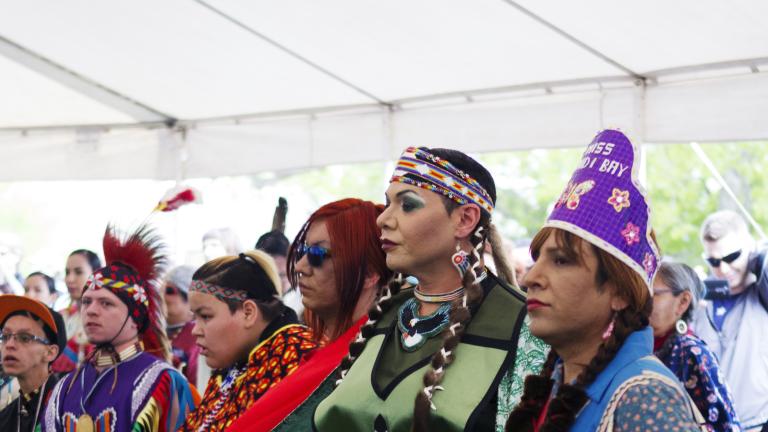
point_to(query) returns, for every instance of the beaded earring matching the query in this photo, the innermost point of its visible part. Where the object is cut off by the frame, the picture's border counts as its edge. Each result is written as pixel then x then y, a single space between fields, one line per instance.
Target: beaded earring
pixel 460 260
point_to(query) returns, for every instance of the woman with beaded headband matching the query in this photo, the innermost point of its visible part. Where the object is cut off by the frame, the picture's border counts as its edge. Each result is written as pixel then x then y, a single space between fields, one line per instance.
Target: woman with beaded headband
pixel 337 263
pixel 590 297
pixel 248 337
pixel 126 384
pixel 431 357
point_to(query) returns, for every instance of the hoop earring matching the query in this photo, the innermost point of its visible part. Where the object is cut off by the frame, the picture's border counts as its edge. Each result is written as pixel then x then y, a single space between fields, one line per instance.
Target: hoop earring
pixel 460 260
pixel 681 327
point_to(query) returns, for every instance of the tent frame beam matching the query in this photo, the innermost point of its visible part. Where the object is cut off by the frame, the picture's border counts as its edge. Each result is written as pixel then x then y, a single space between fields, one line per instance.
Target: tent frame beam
pixel 574 40
pixel 753 64
pixel 548 87
pixel 81 84
pixel 290 52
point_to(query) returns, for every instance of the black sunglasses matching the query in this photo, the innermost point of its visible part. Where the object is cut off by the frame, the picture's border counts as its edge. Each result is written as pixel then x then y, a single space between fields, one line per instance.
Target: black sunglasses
pixel 715 262
pixel 315 254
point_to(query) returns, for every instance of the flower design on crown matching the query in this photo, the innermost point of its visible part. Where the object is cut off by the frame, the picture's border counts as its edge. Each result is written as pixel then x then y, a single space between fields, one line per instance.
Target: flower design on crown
pixel 649 263
pixel 631 233
pixel 619 199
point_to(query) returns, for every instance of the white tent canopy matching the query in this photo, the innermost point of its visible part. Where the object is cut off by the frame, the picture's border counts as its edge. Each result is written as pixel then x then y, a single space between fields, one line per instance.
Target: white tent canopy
pixel 188 88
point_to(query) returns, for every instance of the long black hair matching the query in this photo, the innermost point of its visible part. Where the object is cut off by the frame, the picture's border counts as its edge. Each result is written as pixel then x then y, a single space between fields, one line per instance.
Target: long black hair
pixel 90 256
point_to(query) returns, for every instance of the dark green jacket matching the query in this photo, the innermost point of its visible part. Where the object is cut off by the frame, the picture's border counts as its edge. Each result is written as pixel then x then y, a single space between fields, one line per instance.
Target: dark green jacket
pixel 379 391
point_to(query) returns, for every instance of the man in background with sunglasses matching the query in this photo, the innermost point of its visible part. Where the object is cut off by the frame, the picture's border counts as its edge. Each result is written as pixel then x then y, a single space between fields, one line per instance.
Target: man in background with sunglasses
pixel 734 324
pixel 32 337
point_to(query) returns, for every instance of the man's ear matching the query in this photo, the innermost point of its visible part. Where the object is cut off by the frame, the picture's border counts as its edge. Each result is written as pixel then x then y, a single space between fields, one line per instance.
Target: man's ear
pixel 51 353
pixel 251 313
pixel 466 218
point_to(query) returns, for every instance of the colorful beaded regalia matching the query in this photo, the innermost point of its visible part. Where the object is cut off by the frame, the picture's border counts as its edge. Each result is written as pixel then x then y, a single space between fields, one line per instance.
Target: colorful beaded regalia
pixel 231 392
pixel 283 344
pixel 135 389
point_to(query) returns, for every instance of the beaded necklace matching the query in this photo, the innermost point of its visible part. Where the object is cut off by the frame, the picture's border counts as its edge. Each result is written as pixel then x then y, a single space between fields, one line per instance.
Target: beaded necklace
pixel 224 389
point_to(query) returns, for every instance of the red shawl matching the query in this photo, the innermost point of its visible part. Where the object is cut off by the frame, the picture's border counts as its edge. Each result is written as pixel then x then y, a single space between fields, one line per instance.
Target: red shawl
pixel 292 391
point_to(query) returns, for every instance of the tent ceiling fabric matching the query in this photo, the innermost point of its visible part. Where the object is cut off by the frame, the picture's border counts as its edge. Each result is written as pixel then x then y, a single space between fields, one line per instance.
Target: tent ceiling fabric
pixel 248 86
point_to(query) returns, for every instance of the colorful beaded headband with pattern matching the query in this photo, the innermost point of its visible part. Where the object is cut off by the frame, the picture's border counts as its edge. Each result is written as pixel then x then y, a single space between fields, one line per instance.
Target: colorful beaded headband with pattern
pixel 219 292
pixel 132 287
pixel 418 167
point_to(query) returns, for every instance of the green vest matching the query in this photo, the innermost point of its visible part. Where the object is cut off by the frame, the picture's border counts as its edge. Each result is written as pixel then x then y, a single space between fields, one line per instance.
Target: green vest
pixel 365 402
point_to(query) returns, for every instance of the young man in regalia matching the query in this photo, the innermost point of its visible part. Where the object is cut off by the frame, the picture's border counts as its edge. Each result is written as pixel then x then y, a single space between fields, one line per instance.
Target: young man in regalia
pixel 127 384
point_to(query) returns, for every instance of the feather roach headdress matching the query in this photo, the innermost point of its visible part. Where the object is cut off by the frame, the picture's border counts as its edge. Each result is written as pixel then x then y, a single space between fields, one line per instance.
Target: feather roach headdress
pixel 134 264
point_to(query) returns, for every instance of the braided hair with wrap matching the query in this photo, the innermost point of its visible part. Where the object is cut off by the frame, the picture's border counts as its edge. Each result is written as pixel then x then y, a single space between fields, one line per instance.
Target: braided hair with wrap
pixel 460 313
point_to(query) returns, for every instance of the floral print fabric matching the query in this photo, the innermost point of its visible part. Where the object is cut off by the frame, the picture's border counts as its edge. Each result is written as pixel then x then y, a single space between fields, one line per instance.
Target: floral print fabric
pixel 531 354
pixel 689 358
pixel 654 406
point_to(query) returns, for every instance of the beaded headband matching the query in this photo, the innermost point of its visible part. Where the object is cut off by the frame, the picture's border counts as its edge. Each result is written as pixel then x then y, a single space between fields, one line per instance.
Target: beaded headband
pixel 219 292
pixel 127 285
pixel 420 168
pixel 98 280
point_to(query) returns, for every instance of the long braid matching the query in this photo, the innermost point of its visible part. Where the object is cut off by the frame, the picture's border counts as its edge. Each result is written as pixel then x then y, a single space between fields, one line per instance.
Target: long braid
pixel 536 391
pixel 460 316
pixel 570 398
pixel 379 308
pixel 627 321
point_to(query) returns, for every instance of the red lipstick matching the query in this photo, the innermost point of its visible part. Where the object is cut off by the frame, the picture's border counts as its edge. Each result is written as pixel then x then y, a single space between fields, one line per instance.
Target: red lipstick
pixel 533 304
pixel 387 245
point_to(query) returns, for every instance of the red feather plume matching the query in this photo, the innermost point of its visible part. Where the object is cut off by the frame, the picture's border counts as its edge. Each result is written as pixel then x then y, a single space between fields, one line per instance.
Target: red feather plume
pixel 143 251
pixel 176 197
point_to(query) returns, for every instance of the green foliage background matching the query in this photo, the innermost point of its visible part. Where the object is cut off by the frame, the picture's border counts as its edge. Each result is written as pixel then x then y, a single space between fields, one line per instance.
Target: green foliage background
pixel 681 189
pixel 48 216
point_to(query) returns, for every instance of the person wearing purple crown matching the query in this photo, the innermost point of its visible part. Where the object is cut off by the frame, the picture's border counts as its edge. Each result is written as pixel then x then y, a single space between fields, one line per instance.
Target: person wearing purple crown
pixel 590 298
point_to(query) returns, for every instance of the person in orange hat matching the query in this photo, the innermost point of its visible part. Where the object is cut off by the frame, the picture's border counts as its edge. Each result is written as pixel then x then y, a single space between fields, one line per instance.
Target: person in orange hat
pixel 33 336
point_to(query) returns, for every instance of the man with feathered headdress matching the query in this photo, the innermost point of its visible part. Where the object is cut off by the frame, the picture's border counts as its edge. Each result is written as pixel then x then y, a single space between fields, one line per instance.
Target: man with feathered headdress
pixel 127 384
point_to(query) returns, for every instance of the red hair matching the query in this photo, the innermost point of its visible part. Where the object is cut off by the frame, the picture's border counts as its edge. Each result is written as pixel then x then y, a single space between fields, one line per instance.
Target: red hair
pixel 356 251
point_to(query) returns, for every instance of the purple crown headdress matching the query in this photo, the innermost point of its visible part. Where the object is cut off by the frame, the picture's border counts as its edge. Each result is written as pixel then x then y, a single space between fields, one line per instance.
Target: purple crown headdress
pixel 605 204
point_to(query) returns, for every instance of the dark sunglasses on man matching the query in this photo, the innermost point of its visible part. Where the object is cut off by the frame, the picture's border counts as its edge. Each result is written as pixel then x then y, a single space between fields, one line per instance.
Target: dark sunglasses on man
pixel 728 259
pixel 315 254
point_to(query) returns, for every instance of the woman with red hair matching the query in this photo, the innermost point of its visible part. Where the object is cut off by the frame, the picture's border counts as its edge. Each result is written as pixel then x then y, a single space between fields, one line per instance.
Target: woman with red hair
pixel 337 263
